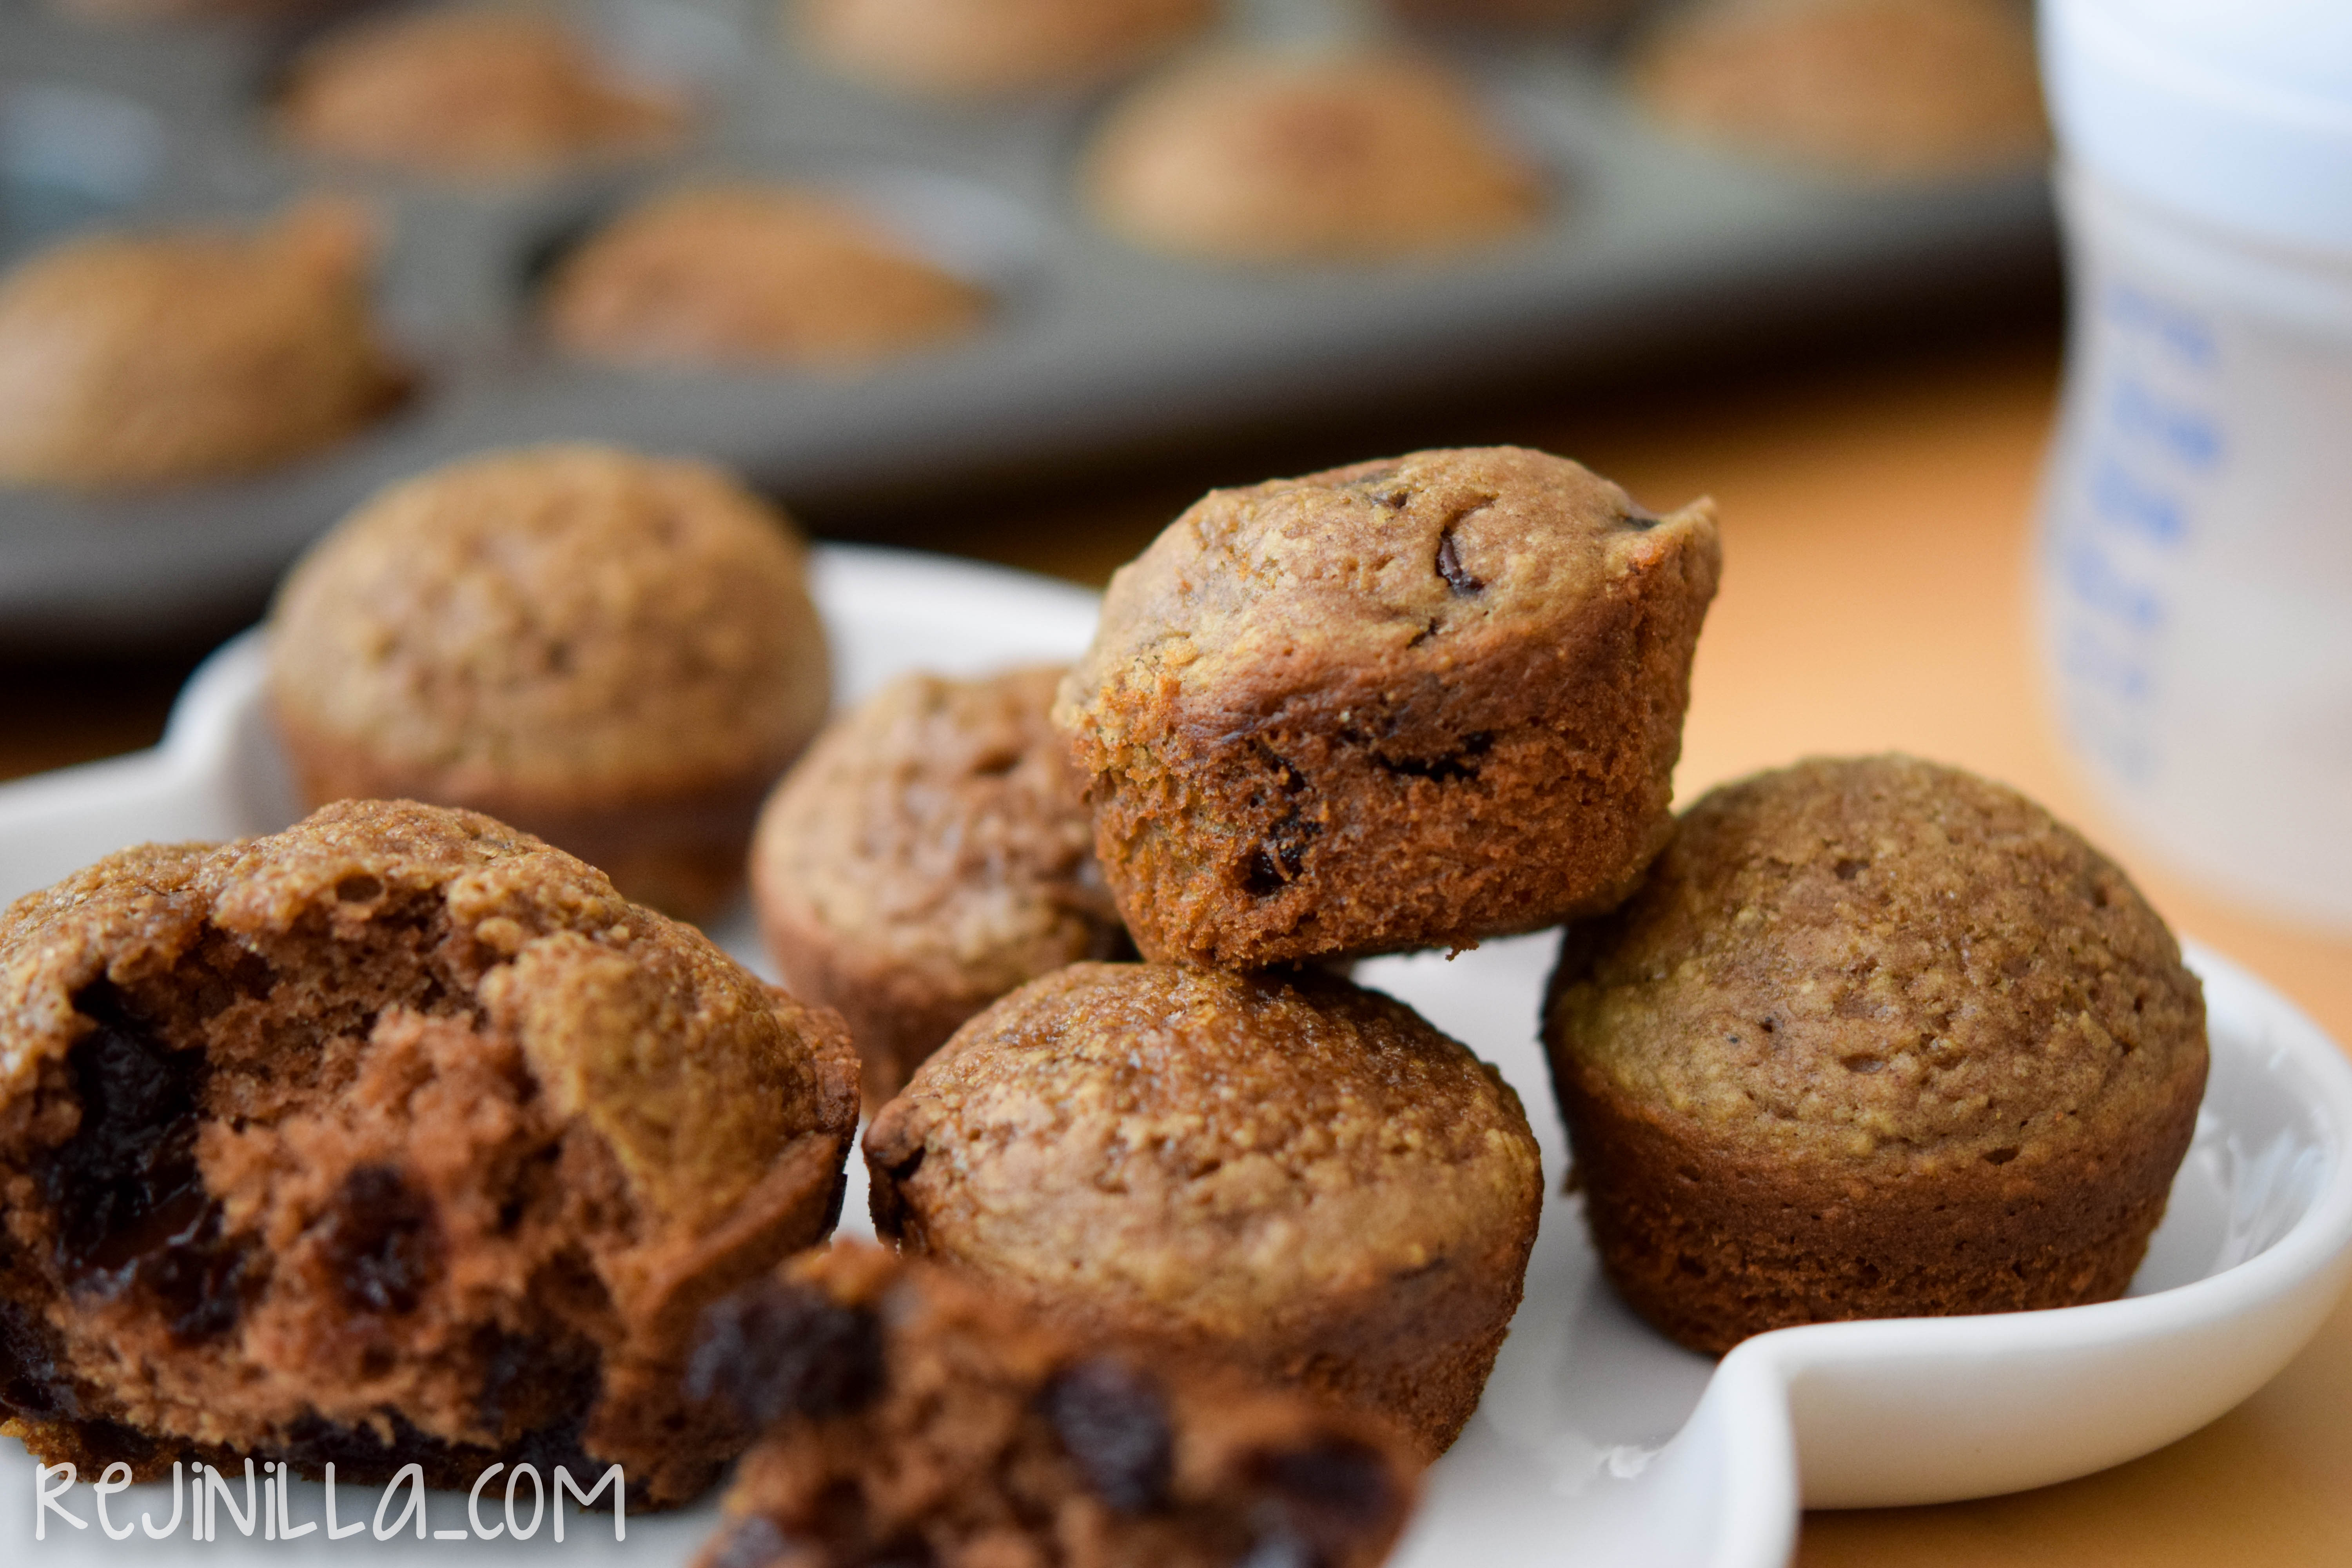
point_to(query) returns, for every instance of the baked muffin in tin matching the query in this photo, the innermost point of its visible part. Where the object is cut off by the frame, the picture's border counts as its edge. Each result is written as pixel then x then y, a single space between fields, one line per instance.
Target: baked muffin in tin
pixel 398 1137
pixel 987 48
pixel 1289 1174
pixel 618 653
pixel 1875 1038
pixel 142 361
pixel 1307 156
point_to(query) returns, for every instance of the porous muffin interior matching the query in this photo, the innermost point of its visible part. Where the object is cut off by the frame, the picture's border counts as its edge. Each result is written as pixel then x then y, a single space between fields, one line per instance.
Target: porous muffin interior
pixel 1874 1036
pixel 912 1418
pixel 1406 703
pixel 1288 1172
pixel 398 1138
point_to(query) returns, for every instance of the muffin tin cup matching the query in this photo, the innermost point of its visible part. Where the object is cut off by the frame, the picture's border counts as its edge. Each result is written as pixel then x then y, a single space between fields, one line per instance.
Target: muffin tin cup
pixel 1598 1441
pixel 1092 345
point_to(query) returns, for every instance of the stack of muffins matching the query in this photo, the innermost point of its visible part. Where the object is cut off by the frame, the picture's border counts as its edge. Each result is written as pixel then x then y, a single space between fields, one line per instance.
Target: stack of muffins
pixel 404 1137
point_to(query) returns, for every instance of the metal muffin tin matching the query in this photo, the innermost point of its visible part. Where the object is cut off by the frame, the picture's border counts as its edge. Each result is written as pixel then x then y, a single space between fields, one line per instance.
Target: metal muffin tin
pixel 1093 343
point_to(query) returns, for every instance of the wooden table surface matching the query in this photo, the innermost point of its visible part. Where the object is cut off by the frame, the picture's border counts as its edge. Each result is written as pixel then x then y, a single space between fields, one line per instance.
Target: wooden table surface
pixel 1875 515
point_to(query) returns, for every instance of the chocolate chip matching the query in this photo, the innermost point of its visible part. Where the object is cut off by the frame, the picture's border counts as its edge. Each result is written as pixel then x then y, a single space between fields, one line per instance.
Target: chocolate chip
pixel 1279 857
pixel 1638 518
pixel 751 1542
pixel 774 1349
pixel 1456 765
pixel 1847 871
pixel 31 1383
pixel 1449 566
pixel 1336 1488
pixel 379 1239
pixel 1114 1422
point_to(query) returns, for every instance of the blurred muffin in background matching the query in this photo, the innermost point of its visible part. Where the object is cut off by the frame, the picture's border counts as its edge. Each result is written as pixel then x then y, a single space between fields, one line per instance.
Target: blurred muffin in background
pixel 484 94
pixel 752 275
pixel 932 852
pixel 1887 88
pixel 975 48
pixel 616 653
pixel 140 13
pixel 138 360
pixel 1536 14
pixel 1307 157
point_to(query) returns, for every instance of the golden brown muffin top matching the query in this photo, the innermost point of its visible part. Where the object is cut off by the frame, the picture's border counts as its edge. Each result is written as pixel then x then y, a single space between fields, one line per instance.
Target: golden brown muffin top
pixel 938 823
pixel 1306 157
pixel 1223 1147
pixel 964 49
pixel 1880 962
pixel 1878 87
pixel 695 1075
pixel 1395 574
pixel 137 360
pixel 576 624
pixel 488 92
pixel 749 274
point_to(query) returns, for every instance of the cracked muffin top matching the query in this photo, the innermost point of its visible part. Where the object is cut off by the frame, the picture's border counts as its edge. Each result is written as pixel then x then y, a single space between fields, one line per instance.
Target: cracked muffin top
pixel 1881 962
pixel 572 624
pixel 1381 574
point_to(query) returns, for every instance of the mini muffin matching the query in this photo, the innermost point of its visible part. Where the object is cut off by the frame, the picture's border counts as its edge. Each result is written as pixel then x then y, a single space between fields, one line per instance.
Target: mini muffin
pixel 1876 1039
pixel 1547 14
pixel 615 652
pixel 930 854
pixel 971 49
pixel 913 1417
pixel 1304 157
pixel 1285 1173
pixel 487 92
pixel 752 275
pixel 1884 88
pixel 395 1137
pixel 133 361
pixel 1409 703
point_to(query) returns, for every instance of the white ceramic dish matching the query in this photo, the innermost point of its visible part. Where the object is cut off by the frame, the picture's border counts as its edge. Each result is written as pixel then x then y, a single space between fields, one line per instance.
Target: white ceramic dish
pixel 1599 1443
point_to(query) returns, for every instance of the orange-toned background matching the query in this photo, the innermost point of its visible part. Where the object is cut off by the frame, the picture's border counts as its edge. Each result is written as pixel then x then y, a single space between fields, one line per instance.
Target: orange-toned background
pixel 1875 515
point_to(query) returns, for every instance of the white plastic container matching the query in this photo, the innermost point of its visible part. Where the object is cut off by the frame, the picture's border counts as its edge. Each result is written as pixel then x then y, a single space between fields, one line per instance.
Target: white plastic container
pixel 2194 560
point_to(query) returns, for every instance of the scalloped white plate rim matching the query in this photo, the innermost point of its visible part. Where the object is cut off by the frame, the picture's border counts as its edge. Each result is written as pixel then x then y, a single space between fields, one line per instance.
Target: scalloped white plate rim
pixel 1597 1443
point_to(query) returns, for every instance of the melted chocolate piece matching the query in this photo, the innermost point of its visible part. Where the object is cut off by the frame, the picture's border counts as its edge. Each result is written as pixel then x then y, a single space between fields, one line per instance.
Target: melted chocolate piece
pixel 774 1349
pixel 30 1383
pixel 129 1203
pixel 381 1240
pixel 1449 566
pixel 1114 1422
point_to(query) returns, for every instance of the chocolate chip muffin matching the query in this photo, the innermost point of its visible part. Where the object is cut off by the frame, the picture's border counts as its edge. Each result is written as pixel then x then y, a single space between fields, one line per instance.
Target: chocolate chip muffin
pixel 1409 703
pixel 398 1137
pixel 1876 1039
pixel 488 92
pixel 1881 89
pixel 752 275
pixel 971 49
pixel 1288 1173
pixel 1304 157
pixel 930 854
pixel 615 652
pixel 137 361
pixel 912 1416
